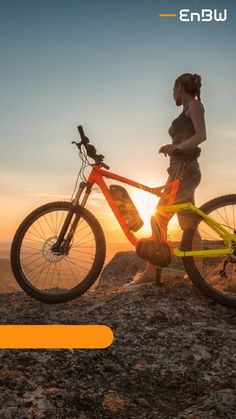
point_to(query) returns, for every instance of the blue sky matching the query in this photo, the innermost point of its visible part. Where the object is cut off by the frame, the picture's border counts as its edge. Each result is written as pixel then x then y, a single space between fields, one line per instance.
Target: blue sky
pixel 109 66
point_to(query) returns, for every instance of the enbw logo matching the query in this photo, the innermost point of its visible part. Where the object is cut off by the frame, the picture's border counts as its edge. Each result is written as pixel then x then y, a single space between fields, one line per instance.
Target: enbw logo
pixel 204 15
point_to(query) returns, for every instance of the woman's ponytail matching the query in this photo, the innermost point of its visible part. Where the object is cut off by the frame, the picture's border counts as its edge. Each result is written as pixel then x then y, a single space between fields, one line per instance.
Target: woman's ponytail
pixel 192 84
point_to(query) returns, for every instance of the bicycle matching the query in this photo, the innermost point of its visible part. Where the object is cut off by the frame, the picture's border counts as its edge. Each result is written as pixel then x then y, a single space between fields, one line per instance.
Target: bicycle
pixel 58 251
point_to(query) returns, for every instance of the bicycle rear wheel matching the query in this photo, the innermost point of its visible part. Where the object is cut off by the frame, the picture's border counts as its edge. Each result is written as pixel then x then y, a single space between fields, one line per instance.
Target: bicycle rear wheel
pixel 57 277
pixel 215 276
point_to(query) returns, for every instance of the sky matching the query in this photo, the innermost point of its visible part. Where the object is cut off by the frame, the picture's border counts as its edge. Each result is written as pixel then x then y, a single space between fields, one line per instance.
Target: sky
pixel 109 66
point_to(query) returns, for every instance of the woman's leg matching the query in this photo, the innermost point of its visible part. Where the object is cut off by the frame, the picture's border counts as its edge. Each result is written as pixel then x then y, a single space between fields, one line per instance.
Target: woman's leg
pixel 159 224
pixel 185 222
pixel 197 245
pixel 185 218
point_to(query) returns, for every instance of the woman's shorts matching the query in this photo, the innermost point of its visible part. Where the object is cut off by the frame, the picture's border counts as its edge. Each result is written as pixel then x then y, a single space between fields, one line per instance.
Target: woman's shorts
pixel 191 177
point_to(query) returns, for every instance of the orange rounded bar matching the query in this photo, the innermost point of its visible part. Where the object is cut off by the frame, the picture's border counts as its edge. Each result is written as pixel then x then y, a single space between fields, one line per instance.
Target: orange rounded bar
pixel 55 336
pixel 168 14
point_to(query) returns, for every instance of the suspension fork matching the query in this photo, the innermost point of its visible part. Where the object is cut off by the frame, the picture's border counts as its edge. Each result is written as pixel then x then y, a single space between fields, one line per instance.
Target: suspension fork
pixel 62 244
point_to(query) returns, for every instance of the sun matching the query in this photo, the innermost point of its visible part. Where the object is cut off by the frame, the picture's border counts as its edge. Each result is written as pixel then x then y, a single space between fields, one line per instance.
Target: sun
pixel 146 204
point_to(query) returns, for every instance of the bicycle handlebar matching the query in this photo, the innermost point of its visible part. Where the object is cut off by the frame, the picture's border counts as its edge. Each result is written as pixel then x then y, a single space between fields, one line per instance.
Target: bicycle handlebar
pixel 81 131
pixel 91 150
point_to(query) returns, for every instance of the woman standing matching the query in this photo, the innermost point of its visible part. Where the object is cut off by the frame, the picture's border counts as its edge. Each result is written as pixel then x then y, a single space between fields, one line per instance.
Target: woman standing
pixel 187 131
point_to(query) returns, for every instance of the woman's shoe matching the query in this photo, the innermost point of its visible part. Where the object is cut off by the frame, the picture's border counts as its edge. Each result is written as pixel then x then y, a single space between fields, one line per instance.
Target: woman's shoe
pixel 142 278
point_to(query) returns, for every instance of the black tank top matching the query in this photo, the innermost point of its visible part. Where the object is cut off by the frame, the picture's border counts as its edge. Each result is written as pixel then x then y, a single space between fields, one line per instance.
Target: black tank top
pixel 180 130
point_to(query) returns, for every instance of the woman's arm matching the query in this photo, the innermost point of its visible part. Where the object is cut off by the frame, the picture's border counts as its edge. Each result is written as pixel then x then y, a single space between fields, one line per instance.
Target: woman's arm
pixel 196 110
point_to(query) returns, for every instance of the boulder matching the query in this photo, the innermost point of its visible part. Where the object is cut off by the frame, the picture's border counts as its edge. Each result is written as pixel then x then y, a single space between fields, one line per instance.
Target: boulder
pixel 121 268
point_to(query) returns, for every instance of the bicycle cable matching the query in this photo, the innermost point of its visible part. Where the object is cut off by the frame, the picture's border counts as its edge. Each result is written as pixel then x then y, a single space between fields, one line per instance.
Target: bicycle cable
pixel 85 163
pixel 84 158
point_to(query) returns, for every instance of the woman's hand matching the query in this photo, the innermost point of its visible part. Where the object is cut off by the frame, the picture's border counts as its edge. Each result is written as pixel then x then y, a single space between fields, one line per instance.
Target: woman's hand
pixel 168 149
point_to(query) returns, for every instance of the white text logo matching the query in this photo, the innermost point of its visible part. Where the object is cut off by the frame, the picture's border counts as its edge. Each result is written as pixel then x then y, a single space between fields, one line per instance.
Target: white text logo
pixel 205 15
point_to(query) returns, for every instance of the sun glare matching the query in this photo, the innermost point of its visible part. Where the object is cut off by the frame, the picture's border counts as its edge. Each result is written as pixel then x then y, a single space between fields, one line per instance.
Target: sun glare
pixel 146 205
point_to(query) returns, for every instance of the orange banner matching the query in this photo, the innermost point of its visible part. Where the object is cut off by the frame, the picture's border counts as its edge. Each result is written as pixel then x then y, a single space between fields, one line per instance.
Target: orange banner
pixel 55 336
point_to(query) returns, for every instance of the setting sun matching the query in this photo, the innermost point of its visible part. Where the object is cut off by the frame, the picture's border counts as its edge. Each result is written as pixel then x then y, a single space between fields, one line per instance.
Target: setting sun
pixel 146 204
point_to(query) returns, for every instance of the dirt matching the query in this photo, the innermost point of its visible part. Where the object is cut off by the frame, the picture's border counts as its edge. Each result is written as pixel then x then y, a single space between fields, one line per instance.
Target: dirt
pixel 173 355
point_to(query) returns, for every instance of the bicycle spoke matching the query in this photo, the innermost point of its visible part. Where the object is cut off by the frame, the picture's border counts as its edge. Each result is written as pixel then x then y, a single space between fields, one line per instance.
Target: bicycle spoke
pixel 80 251
pixel 53 226
pixel 32 240
pixel 80 241
pixel 70 268
pixel 39 276
pixel 217 211
pixel 50 228
pixel 48 269
pixel 77 264
pixel 84 260
pixel 79 231
pixel 30 255
pixel 30 263
pixel 42 231
pixel 226 217
pixel 82 245
pixel 61 222
pixel 68 278
pixel 208 235
pixel 36 235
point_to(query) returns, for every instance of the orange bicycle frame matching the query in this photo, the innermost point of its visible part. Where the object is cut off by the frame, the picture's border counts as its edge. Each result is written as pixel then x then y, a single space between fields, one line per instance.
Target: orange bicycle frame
pixel 96 177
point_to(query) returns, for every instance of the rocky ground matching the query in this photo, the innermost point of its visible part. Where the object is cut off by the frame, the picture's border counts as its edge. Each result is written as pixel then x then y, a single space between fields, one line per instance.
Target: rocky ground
pixel 173 355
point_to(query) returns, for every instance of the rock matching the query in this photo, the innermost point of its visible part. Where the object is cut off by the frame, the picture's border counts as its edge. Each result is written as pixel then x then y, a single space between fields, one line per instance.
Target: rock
pixel 142 402
pixel 173 354
pixel 120 269
pixel 7 413
pixel 200 353
pixel 44 404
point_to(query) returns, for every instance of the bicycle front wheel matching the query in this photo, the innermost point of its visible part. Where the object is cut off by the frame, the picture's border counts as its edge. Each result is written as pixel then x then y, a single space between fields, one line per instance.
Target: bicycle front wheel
pixel 56 277
pixel 215 276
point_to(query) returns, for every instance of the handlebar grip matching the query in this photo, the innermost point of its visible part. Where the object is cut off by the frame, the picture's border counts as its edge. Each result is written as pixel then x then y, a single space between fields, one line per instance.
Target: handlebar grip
pixel 81 131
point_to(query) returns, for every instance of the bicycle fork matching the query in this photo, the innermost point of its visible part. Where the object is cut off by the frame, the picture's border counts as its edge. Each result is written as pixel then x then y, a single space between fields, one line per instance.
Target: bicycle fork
pixel 65 236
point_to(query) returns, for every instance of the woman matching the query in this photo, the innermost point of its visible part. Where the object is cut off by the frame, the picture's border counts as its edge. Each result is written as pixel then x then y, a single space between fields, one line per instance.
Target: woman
pixel 187 131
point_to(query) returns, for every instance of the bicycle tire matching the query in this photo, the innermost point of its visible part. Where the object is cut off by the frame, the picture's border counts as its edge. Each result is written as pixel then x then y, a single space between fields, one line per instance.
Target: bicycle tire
pixel 17 264
pixel 192 270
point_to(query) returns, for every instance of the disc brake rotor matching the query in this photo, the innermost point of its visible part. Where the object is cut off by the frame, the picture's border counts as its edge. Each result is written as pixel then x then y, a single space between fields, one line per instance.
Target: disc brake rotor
pixel 47 252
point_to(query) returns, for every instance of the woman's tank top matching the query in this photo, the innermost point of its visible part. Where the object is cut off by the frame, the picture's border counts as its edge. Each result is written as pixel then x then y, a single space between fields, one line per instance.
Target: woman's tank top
pixel 180 130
